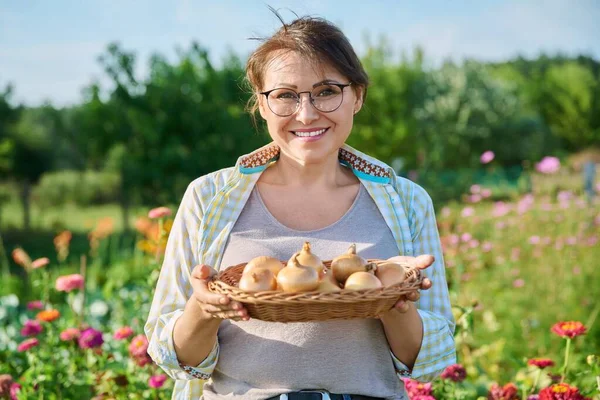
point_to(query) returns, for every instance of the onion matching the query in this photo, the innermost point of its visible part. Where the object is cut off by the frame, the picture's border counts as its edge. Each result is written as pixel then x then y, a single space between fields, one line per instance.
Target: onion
pixel 362 280
pixel 297 277
pixel 328 283
pixel 258 280
pixel 307 258
pixel 345 265
pixel 270 263
pixel 390 273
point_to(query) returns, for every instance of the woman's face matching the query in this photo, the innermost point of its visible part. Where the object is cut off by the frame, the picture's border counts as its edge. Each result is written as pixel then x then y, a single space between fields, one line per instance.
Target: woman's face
pixel 290 133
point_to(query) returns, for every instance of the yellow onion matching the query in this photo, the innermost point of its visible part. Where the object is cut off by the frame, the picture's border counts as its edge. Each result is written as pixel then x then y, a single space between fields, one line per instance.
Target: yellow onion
pixel 297 277
pixel 270 263
pixel 362 280
pixel 390 273
pixel 307 258
pixel 328 283
pixel 258 280
pixel 345 265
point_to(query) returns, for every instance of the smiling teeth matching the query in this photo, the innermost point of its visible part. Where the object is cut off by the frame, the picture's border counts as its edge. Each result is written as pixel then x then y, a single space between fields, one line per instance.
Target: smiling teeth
pixel 310 134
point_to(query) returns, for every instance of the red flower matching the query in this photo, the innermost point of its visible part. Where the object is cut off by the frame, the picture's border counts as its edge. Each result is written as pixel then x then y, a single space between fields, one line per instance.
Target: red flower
pixel 455 372
pixel 561 391
pixel 415 388
pixel 569 329
pixel 541 363
pixel 507 392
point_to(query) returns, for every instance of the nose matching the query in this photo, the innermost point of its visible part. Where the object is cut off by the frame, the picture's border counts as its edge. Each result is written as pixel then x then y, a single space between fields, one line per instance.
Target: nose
pixel 306 111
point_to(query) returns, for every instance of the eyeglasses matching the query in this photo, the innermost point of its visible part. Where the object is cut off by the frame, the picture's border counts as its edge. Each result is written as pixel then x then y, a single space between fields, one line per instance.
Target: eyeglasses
pixel 325 98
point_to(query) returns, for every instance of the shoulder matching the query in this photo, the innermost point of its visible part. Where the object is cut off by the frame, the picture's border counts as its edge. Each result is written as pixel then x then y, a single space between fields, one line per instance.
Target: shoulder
pixel 412 194
pixel 205 187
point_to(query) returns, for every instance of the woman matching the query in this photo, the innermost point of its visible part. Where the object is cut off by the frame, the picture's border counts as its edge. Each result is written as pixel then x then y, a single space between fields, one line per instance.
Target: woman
pixel 306 185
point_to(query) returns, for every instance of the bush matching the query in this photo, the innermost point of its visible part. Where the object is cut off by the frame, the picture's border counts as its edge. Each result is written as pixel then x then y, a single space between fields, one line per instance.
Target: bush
pixel 78 187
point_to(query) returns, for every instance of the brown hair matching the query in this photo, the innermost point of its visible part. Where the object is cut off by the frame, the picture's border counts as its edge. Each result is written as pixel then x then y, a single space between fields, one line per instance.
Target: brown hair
pixel 313 38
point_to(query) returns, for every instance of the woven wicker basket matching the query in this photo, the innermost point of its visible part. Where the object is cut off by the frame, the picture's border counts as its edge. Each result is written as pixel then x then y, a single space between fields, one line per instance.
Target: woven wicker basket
pixel 277 306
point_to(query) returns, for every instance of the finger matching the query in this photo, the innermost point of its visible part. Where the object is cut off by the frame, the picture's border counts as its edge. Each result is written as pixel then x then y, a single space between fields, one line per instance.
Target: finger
pixel 203 295
pixel 404 260
pixel 426 283
pixel 424 261
pixel 402 306
pixel 413 296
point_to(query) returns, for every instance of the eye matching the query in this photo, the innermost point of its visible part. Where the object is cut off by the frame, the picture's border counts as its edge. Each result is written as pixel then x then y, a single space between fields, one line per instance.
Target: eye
pixel 326 91
pixel 284 95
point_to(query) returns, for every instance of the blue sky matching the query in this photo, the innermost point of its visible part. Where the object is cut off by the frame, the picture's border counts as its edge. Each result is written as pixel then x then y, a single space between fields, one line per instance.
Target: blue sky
pixel 49 49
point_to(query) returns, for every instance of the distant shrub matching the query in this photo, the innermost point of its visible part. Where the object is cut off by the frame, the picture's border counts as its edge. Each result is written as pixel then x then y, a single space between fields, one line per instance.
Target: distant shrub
pixel 77 187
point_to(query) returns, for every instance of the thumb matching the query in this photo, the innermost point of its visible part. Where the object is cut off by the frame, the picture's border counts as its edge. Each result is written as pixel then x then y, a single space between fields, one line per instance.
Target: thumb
pixel 424 261
pixel 203 272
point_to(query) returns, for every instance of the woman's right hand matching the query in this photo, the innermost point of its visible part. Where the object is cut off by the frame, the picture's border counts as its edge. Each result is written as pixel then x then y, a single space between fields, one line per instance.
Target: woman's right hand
pixel 214 305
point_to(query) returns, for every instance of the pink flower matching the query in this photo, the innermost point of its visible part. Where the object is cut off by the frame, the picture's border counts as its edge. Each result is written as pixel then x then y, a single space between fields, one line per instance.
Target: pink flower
pixel 466 237
pixel 534 239
pixel 422 397
pixel 569 329
pixel 455 372
pixel 474 198
pixel 487 247
pixel 467 212
pixel 548 165
pixel 519 283
pixel 487 157
pixel 40 262
pixel 15 388
pixel 69 334
pixel 27 344
pixel 474 243
pixel 159 212
pixel 485 193
pixel 35 305
pixel 138 346
pixel 157 381
pixel 123 333
pixel 31 328
pixel 500 209
pixel 90 338
pixel 416 388
pixel 541 363
pixel 475 189
pixel 68 283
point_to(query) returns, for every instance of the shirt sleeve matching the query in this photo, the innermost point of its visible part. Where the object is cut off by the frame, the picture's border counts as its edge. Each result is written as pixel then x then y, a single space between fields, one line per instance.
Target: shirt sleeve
pixel 173 290
pixel 438 349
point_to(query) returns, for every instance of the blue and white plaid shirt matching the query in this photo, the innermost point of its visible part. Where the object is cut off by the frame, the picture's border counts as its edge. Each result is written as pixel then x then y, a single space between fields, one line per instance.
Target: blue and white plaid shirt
pixel 207 214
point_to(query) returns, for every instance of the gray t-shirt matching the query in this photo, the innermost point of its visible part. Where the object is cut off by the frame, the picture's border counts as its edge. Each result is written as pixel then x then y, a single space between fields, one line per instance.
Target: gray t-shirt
pixel 261 359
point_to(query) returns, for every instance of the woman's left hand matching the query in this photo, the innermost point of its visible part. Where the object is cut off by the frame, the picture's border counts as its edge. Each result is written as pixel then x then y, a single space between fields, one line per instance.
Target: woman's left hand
pixel 421 262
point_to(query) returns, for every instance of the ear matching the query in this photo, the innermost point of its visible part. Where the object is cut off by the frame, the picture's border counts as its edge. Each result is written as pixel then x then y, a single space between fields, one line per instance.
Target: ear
pixel 262 104
pixel 358 103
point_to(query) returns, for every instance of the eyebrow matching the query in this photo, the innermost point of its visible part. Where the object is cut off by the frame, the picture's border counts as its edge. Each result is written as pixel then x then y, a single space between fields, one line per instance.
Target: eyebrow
pixel 323 82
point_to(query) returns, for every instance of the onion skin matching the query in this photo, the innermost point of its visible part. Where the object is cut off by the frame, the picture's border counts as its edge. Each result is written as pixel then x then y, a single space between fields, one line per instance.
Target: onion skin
pixel 345 265
pixel 258 280
pixel 262 262
pixel 361 281
pixel 328 283
pixel 309 259
pixel 390 273
pixel 297 278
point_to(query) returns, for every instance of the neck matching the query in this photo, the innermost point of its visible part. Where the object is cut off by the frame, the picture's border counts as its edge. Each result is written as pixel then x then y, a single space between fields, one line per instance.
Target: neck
pixel 294 173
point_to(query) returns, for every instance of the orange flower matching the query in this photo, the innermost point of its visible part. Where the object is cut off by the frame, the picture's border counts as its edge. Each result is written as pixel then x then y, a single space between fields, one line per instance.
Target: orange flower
pixel 48 315
pixel 61 244
pixel 569 329
pixel 21 258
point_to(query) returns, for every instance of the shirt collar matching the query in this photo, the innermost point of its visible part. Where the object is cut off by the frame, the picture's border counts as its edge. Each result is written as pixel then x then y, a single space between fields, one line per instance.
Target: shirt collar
pixel 363 165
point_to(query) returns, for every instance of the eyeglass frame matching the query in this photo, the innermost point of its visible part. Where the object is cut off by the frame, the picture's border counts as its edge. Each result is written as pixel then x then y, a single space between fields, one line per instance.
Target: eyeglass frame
pixel 342 86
